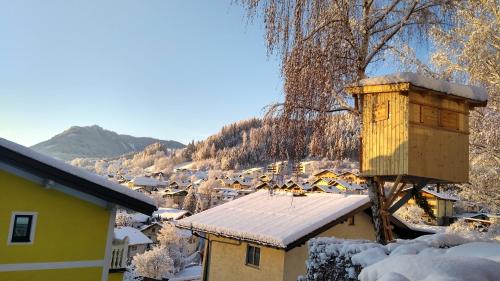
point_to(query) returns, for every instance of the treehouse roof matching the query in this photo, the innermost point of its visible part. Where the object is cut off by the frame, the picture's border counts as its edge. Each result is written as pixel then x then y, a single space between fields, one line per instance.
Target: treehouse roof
pixel 405 80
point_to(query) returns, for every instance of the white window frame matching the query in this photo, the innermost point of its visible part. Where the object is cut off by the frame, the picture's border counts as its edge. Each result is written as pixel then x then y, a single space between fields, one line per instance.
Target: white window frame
pixel 32 230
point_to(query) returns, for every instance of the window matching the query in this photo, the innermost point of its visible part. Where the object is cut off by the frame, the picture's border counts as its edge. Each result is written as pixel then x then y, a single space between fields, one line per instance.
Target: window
pixel 350 220
pixel 381 111
pixel 253 255
pixel 22 227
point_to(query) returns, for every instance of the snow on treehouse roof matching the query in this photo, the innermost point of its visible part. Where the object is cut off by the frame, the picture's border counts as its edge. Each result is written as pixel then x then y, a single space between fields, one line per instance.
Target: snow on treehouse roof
pixel 469 92
pixel 74 177
pixel 276 220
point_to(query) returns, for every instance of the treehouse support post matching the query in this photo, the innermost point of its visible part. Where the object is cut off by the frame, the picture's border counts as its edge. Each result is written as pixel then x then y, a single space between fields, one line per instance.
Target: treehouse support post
pixel 380 219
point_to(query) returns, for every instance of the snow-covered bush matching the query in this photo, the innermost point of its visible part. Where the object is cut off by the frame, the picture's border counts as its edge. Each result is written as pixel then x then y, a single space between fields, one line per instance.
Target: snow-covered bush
pixel 411 213
pixel 123 219
pixel 331 259
pixel 476 230
pixel 155 263
pixel 430 257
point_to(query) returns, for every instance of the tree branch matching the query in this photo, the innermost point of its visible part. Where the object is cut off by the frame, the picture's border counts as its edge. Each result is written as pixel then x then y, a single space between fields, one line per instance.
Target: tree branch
pixel 389 35
pixel 386 12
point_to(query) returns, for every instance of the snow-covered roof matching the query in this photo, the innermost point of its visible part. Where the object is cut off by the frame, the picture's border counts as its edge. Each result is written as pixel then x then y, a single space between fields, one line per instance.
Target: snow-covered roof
pixel 328 188
pixel 469 92
pixel 135 236
pixel 326 171
pixel 188 274
pixel 441 195
pixel 139 218
pixel 421 227
pixel 147 181
pixel 276 220
pixel 349 185
pixel 20 155
pixel 170 213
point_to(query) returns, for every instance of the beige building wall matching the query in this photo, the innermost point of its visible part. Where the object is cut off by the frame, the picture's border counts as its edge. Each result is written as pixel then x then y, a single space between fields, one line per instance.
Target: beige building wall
pixel 295 259
pixel 228 256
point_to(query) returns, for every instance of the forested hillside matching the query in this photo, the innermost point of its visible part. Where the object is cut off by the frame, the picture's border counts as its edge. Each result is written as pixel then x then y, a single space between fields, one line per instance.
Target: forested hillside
pixel 249 142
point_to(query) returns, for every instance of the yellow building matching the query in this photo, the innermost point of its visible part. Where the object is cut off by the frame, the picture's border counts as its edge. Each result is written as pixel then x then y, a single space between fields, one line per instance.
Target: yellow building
pixel 440 203
pixel 352 177
pixel 56 220
pixel 262 237
pixel 326 174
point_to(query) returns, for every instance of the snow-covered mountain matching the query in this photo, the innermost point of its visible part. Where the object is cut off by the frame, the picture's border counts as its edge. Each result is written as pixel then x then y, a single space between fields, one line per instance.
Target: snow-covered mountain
pixel 96 142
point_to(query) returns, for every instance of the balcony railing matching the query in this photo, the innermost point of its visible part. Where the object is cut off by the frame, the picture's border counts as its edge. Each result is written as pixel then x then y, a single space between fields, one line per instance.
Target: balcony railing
pixel 119 254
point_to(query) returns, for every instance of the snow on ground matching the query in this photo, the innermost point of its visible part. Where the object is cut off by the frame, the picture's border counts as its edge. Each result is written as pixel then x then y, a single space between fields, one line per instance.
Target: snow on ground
pixel 432 268
pixel 440 257
pixel 188 274
pixel 431 257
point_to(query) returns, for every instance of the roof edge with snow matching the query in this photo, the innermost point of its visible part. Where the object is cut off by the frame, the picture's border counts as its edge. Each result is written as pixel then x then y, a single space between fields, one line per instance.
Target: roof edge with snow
pixel 292 244
pixel 472 93
pixel 73 177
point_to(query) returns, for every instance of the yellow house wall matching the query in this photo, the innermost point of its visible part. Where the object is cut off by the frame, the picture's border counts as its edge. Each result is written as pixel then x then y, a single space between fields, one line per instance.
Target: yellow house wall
pixel 67 229
pixel 116 276
pixel 73 274
pixel 228 256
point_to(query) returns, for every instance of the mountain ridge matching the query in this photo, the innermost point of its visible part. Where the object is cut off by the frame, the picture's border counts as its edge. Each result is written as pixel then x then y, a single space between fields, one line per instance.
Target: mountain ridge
pixel 96 142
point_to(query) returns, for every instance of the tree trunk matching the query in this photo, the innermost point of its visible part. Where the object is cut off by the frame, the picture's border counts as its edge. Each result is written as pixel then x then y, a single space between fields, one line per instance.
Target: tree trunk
pixel 373 193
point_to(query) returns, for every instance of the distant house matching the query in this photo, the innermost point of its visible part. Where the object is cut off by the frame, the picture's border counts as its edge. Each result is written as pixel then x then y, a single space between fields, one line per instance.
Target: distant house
pixel 325 189
pixel 346 186
pixel 170 214
pixel 146 184
pixel 138 243
pixel 151 231
pixel 441 204
pixel 352 178
pixel 254 171
pixel 326 174
pixel 56 220
pixel 263 185
pixel 176 196
pixel 298 188
pixel 261 237
pixel 182 185
pixel 323 182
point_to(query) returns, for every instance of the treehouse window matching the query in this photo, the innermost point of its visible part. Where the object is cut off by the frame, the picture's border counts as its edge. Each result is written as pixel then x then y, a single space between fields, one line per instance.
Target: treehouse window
pixel 434 117
pixel 429 115
pixel 381 111
pixel 449 119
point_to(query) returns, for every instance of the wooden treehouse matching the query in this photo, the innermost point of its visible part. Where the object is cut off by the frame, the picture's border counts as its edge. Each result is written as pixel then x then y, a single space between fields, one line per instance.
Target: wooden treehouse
pixel 415 131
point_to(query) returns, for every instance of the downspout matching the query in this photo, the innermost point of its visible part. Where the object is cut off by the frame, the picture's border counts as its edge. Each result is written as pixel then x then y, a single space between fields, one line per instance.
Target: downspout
pixel 206 262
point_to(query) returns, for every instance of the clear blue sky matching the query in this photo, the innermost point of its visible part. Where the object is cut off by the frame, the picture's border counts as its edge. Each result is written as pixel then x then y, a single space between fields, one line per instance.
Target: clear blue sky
pixel 171 69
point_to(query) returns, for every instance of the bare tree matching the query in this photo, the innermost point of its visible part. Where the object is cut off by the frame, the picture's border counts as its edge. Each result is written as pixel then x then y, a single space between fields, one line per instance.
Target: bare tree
pixel 325 45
